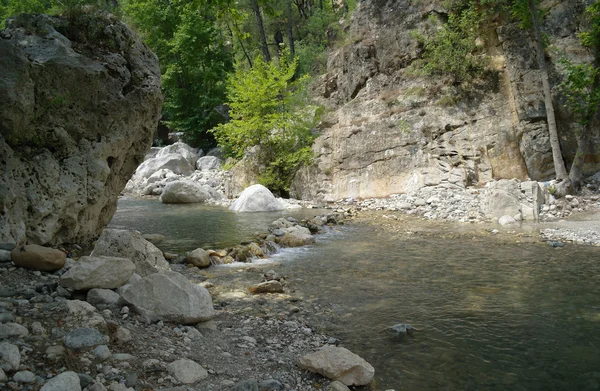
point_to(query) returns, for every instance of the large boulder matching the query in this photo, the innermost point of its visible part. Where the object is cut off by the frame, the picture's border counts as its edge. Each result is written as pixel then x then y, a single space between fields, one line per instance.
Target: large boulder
pixel 171 297
pixel 339 364
pixel 190 154
pixel 174 162
pixel 147 257
pixel 98 272
pixel 37 257
pixel 502 198
pixel 208 163
pixel 256 198
pixel 80 98
pixel 185 192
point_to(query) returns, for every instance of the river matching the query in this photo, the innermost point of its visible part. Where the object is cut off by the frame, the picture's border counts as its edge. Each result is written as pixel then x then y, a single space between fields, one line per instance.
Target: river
pixel 491 314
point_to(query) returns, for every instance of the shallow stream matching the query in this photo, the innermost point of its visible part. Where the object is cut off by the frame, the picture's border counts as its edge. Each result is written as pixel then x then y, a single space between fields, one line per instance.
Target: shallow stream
pixel 491 314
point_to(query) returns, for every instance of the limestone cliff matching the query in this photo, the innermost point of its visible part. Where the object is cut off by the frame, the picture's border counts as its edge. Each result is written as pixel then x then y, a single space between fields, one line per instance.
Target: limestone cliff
pixel 79 101
pixel 390 131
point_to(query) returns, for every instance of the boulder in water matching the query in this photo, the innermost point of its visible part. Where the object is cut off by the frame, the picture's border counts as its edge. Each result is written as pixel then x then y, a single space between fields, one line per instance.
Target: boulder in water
pixel 185 192
pixel 402 329
pixel 257 198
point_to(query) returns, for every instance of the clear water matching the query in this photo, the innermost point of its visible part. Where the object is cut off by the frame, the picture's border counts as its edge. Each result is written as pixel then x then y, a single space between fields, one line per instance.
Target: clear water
pixel 491 315
pixel 189 226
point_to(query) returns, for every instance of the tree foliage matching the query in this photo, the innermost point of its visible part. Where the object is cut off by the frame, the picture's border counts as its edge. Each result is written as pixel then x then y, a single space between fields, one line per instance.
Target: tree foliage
pixel 194 61
pixel 270 110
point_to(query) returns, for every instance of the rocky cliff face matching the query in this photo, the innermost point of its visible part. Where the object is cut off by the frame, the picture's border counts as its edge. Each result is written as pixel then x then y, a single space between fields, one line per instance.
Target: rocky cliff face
pixel 390 131
pixel 79 101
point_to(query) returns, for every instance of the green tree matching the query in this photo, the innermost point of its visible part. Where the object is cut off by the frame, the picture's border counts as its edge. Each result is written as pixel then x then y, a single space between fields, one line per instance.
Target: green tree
pixel 271 111
pixel 194 61
pixel 581 89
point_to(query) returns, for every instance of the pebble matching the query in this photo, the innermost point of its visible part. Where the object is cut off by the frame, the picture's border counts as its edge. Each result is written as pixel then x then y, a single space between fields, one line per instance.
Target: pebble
pixel 84 337
pixel 24 377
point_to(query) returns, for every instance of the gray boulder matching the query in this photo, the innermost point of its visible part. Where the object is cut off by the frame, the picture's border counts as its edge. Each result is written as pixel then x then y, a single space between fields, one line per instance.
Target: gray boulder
pixel 102 297
pixel 146 257
pixel 179 148
pixel 208 163
pixel 13 330
pixel 257 198
pixel 198 258
pixel 10 357
pixel 98 272
pixel 185 192
pixel 66 381
pixel 340 364
pixel 187 371
pixel 77 116
pixel 502 198
pixel 171 297
pixel 296 236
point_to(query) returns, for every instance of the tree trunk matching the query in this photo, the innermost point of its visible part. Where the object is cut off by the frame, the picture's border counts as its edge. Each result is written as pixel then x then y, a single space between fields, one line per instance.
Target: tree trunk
pixel 261 30
pixel 559 165
pixel 240 41
pixel 290 27
pixel 591 120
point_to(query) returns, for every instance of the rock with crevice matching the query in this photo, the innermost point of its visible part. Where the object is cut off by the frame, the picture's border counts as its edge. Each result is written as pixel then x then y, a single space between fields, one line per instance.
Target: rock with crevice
pixel 146 257
pixel 80 98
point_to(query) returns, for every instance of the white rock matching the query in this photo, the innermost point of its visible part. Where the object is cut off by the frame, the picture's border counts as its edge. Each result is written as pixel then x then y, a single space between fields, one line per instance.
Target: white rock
pixel 179 148
pixel 187 371
pixel 256 198
pixel 340 364
pixel 171 297
pixel 10 357
pixel 173 162
pixel 66 381
pixel 146 257
pixel 505 220
pixel 98 272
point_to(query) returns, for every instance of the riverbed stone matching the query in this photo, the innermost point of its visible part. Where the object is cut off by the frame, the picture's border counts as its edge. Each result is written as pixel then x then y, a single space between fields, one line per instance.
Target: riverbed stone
pixel 185 191
pixel 106 297
pixel 66 381
pixel 24 377
pixel 272 286
pixel 5 256
pixel 340 364
pixel 98 272
pixel 256 198
pixel 40 258
pixel 146 257
pixel 198 258
pixel 13 330
pixel 3 376
pixel 83 338
pixel 179 148
pixel 10 357
pixel 337 386
pixel 170 297
pixel 187 371
pixel 296 236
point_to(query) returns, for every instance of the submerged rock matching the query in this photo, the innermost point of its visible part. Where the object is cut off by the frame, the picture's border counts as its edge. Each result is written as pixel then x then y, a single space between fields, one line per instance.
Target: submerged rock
pixel 80 98
pixel 402 329
pixel 185 192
